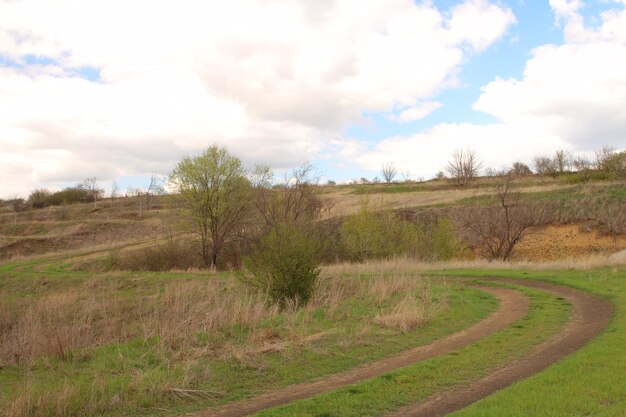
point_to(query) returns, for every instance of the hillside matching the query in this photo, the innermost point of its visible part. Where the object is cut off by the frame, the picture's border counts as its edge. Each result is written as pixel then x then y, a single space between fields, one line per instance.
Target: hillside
pixel 578 226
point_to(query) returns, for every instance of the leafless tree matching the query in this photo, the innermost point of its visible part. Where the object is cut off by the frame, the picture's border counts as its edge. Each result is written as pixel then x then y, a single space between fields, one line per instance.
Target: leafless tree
pixel 155 189
pixel 115 190
pixel 91 186
pixel 406 176
pixel 581 163
pixel 498 228
pixel 603 156
pixel 520 169
pixel 609 160
pixel 292 201
pixel 389 172
pixel 464 166
pixel 544 166
pixel 561 161
pixel 16 204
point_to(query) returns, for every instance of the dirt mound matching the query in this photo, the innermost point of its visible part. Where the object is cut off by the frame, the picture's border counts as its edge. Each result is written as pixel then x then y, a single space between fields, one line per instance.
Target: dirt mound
pixel 566 241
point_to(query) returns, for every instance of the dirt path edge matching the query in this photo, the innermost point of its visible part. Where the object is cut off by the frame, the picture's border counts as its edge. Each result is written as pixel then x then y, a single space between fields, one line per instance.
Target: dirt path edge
pixel 513 306
pixel 590 316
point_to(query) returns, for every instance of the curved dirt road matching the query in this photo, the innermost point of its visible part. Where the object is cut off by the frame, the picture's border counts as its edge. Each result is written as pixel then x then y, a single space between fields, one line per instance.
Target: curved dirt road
pixel 590 315
pixel 513 306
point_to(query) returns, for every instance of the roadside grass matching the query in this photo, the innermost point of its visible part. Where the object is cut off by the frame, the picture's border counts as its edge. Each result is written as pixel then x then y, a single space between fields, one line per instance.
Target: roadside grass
pixel 79 344
pixel 415 383
pixel 590 382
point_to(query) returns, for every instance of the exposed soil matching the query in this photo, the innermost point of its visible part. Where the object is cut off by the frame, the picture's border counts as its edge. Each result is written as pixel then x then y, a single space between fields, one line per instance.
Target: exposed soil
pixel 513 306
pixel 563 241
pixel 590 315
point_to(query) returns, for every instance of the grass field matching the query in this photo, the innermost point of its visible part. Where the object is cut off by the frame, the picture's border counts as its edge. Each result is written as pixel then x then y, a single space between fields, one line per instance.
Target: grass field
pixel 147 361
pixel 78 342
pixel 159 343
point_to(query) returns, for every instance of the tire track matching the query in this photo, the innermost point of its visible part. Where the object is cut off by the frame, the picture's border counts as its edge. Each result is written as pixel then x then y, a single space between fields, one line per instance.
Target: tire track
pixel 513 307
pixel 590 315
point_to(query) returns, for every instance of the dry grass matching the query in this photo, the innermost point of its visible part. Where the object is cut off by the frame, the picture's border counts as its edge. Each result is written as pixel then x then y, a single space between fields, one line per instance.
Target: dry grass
pixel 407 314
pixel 343 201
pixel 404 265
pixel 62 323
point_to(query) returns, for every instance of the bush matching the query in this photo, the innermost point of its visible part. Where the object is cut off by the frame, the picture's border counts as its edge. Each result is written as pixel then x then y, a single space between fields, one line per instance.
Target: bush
pixel 284 265
pixel 69 195
pixel 169 255
pixel 439 242
pixel 371 235
pixel 39 198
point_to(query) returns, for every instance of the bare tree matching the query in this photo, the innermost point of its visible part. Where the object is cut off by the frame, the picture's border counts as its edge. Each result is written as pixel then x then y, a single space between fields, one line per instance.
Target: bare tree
pixel 16 204
pixel 544 166
pixel 91 186
pixel 561 161
pixel 406 176
pixel 464 166
pixel 498 228
pixel 389 172
pixel 115 190
pixel 581 163
pixel 520 169
pixel 609 160
pixel 155 189
pixel 603 156
pixel 292 201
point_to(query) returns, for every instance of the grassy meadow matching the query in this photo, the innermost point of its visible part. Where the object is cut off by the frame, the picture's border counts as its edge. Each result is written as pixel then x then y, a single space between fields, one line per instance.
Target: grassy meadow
pixel 104 312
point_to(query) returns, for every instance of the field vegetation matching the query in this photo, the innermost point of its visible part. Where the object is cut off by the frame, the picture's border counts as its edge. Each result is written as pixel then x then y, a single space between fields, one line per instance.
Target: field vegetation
pixel 240 283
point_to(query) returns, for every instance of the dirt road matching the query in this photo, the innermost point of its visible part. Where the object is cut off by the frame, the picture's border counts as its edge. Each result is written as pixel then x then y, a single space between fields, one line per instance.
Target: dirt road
pixel 590 315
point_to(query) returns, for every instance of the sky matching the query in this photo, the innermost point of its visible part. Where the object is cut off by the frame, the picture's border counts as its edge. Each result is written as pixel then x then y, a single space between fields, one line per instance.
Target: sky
pixel 124 89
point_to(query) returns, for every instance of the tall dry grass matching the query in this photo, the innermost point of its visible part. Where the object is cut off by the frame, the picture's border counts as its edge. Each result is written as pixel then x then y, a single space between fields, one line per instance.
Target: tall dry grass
pixel 64 322
pixel 407 265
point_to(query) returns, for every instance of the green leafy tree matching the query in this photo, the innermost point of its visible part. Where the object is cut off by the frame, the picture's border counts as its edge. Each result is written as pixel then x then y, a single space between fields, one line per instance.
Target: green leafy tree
pixel 215 191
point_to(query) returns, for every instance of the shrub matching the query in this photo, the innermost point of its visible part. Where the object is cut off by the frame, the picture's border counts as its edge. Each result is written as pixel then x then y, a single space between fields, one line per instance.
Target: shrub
pixel 439 242
pixel 169 255
pixel 371 235
pixel 39 198
pixel 284 265
pixel 69 195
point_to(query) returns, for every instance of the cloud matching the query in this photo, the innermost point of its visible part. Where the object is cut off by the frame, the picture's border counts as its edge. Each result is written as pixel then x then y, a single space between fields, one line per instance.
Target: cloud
pixel 416 112
pixel 427 152
pixel 275 80
pixel 479 23
pixel 571 96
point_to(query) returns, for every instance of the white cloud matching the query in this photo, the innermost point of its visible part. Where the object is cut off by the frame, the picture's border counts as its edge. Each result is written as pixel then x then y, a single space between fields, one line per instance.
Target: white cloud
pixel 479 23
pixel 274 80
pixel 571 96
pixel 416 112
pixel 427 152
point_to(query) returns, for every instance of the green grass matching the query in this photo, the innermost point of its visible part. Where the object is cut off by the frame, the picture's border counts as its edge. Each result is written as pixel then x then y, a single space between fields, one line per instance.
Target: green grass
pixel 599 193
pixel 416 382
pixel 590 382
pixel 132 378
